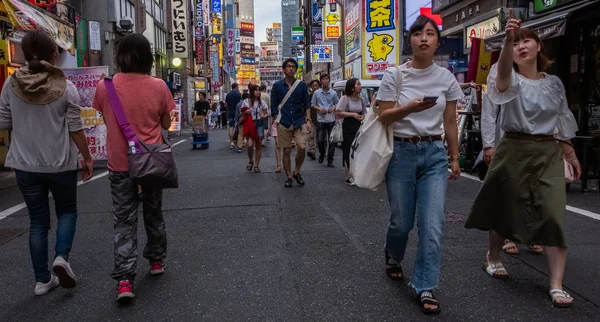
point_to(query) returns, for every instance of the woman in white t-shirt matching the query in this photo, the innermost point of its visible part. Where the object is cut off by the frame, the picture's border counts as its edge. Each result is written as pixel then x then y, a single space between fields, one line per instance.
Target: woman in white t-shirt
pixel 523 197
pixel 417 175
pixel 259 111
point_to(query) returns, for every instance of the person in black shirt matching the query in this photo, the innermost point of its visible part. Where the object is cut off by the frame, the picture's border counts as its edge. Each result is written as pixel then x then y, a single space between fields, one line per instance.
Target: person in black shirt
pixel 201 108
pixel 232 99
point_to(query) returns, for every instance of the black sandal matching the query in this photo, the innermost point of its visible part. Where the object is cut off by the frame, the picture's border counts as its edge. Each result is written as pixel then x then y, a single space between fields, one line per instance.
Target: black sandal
pixel 427 297
pixel 256 169
pixel 250 165
pixel 392 269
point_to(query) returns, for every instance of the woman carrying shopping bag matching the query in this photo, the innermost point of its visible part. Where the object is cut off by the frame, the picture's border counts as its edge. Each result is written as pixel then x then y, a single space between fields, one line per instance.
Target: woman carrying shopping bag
pixel 523 197
pixel 352 108
pixel 417 174
pixel 146 103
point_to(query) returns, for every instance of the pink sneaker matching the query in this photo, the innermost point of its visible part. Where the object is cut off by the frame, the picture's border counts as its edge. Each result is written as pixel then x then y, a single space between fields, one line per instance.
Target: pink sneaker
pixel 125 291
pixel 157 267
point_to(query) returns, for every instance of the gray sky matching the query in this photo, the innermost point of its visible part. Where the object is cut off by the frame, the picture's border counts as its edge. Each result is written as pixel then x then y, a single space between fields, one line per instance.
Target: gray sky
pixel 266 12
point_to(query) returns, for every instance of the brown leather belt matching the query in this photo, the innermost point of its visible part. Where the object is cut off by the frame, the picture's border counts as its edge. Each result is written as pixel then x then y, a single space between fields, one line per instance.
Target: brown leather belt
pixel 419 139
pixel 529 137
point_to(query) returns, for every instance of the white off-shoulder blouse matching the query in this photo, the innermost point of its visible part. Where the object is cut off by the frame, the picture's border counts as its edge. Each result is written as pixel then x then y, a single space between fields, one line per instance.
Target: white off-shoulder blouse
pixel 537 107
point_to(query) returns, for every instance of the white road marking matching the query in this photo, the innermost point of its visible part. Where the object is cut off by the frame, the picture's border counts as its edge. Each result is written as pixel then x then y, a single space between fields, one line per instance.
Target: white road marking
pixel 12 210
pixel 576 210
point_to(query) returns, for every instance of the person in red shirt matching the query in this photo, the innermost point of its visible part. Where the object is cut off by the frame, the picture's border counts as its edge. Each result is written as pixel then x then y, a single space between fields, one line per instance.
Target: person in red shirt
pixel 147 103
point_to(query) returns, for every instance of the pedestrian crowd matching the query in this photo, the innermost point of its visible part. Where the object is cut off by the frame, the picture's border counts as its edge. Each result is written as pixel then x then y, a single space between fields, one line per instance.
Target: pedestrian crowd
pixel 522 200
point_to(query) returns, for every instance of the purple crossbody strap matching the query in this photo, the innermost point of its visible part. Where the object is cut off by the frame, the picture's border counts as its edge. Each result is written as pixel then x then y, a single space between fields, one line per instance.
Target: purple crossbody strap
pixel 117 109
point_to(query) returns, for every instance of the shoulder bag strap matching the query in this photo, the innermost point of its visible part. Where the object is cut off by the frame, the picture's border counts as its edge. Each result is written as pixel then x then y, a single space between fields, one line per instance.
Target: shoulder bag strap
pixel 286 97
pixel 117 109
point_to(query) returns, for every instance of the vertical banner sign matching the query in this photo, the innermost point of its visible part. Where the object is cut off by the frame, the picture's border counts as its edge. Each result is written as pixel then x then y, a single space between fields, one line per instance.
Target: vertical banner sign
pixel 199 20
pixel 180 32
pixel 317 14
pixel 216 17
pixel 381 34
pixel 214 60
pixel 332 24
pixel 86 79
pixel 230 43
pixel 82 42
pixel 352 28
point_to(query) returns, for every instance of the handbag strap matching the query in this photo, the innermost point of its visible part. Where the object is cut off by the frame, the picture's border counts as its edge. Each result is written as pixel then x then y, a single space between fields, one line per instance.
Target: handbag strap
pixel 117 108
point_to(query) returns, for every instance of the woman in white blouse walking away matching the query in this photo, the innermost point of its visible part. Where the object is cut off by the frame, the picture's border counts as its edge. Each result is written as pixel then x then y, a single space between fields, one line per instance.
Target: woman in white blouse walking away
pixel 417 175
pixel 523 197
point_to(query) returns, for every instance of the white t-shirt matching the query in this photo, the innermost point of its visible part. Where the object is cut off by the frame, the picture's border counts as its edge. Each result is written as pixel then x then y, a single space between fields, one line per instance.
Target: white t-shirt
pixel 258 111
pixel 418 83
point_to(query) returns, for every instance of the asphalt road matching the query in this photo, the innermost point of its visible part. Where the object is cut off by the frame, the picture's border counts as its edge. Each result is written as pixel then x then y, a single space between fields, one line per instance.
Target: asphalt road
pixel 243 247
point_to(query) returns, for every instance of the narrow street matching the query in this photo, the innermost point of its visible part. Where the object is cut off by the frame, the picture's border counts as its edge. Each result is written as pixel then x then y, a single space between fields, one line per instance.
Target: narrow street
pixel 243 247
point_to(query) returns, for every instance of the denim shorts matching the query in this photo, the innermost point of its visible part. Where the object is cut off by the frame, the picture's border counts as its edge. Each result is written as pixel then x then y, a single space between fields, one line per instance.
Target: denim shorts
pixel 260 128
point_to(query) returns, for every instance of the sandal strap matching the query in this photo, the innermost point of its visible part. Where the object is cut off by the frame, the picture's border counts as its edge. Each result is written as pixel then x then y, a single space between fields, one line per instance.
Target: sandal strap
pixel 427 296
pixel 559 293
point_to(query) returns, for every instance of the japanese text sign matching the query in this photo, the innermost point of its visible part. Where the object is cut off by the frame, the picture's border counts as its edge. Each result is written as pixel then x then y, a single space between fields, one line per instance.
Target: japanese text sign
pixel 321 53
pixel 216 6
pixel 180 32
pixel 381 37
pixel 199 20
pixel 332 24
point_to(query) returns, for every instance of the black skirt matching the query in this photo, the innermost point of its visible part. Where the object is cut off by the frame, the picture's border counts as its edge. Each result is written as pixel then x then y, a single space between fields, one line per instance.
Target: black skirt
pixel 349 128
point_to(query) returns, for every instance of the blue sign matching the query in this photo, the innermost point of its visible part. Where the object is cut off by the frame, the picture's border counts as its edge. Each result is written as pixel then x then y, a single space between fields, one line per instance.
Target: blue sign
pixel 229 22
pixel 317 13
pixel 248 61
pixel 216 6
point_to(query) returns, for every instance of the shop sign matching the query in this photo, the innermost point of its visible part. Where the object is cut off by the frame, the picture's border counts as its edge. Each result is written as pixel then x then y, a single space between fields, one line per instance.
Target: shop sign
pixel 298 33
pixel 317 13
pixel 482 30
pixel 43 3
pixel 247 33
pixel 180 32
pixel 199 51
pixel 95 38
pixel 216 6
pixel 199 20
pixel 321 53
pixel 248 61
pixel 336 75
pixel 381 34
pixel 246 26
pixel 82 42
pixel 332 23
pixel 86 80
pixel 238 47
pixel 543 5
pixel 317 35
pixel 353 43
pixel 352 14
pixel 230 43
pixel 214 61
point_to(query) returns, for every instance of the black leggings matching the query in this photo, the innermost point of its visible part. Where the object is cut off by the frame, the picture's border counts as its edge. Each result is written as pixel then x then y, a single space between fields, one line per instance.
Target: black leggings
pixel 350 128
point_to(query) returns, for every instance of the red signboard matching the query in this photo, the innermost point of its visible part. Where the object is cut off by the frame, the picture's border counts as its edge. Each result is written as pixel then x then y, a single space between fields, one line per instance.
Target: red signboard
pixel 427 12
pixel 199 51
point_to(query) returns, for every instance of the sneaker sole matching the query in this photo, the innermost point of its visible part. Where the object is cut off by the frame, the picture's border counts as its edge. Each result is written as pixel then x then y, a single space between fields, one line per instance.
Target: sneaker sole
pixel 157 272
pixel 125 296
pixel 64 279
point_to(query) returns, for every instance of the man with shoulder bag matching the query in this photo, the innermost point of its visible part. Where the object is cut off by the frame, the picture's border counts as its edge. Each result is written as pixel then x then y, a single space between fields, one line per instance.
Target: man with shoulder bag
pixel 290 106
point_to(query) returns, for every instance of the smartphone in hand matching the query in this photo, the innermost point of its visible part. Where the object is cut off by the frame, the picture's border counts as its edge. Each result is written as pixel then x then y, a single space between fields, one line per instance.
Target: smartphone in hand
pixel 430 99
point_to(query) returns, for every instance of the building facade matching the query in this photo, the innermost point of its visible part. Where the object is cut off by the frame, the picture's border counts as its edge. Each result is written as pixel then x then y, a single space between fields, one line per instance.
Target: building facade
pixel 290 17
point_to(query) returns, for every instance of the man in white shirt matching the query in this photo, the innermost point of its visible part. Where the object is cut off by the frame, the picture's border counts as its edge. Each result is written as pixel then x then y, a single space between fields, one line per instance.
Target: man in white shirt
pixel 325 100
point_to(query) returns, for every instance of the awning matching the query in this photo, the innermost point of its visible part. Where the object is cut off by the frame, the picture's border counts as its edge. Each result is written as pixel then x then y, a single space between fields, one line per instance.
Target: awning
pixel 546 27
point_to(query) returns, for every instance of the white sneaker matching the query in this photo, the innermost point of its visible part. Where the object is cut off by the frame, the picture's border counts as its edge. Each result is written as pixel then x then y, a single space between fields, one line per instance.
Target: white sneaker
pixel 63 271
pixel 232 145
pixel 44 288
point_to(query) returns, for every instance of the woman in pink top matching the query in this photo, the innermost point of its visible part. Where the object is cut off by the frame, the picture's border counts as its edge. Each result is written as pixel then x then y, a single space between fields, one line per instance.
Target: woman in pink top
pixel 147 103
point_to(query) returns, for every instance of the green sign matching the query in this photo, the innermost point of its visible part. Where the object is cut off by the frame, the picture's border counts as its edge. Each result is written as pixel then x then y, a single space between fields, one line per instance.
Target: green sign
pixel 543 5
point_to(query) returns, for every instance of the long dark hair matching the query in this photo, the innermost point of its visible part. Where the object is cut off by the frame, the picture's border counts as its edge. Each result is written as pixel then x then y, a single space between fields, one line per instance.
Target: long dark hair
pixel 251 90
pixel 349 90
pixel 134 54
pixel 38 45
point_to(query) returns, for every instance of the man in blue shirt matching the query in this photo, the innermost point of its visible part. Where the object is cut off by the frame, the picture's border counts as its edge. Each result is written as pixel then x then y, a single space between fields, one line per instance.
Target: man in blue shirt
pixel 325 101
pixel 232 99
pixel 295 119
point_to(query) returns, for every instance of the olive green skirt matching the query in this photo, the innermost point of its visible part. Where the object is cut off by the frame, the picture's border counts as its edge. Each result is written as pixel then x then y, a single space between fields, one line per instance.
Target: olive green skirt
pixel 523 197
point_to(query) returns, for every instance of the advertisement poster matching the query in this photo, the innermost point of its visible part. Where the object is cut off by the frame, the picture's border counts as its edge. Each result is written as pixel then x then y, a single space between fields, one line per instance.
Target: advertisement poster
pixel 86 79
pixel 321 53
pixel 317 13
pixel 176 118
pixel 353 43
pixel 332 24
pixel 381 37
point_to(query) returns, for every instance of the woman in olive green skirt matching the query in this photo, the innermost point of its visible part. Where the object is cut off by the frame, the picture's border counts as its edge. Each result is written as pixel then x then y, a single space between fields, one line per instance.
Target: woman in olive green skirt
pixel 523 196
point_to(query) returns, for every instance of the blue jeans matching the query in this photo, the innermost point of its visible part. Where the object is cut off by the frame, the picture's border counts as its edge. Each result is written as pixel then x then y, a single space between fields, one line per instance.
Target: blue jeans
pixel 35 188
pixel 416 182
